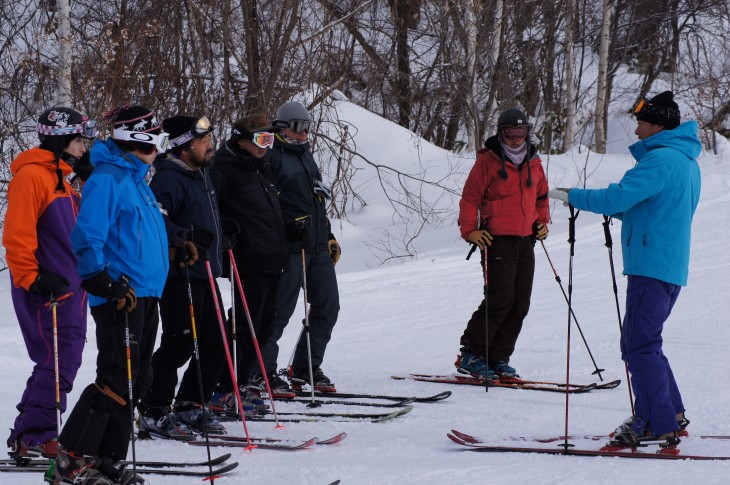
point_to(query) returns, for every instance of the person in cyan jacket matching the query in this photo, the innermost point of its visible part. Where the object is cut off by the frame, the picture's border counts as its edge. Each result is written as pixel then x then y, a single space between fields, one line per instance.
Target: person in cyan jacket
pixel 503 210
pixel 185 193
pixel 121 246
pixel 41 213
pixel 656 202
pixel 249 202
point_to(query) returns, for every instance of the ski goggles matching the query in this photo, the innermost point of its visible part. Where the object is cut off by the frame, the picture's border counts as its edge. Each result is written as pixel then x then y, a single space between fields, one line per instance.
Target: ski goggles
pixel 262 139
pixel 515 132
pixel 161 142
pixel 199 129
pixel 643 107
pixel 297 126
pixel 87 129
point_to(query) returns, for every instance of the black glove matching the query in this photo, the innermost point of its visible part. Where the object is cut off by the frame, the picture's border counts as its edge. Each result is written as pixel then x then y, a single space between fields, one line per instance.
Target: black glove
pixel 48 283
pixel 83 167
pixel 102 285
pixel 202 238
pixel 296 230
pixel 539 230
pixel 230 229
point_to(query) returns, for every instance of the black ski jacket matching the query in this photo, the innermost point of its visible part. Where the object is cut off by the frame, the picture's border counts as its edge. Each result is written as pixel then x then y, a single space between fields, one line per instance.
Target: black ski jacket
pixel 186 197
pixel 247 195
pixel 295 171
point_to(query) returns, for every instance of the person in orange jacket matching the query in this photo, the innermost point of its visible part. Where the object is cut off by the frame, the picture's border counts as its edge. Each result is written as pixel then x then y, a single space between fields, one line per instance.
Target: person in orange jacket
pixel 503 210
pixel 42 209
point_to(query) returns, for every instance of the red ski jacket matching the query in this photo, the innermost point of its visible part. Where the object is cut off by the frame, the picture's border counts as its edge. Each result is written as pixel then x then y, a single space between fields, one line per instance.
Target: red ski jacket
pixel 510 206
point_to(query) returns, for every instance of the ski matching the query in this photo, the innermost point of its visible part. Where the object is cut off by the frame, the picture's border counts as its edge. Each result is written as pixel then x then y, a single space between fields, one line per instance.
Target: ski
pixel 152 464
pixel 336 417
pixel 142 471
pixel 335 439
pixel 288 446
pixel 342 395
pixel 599 385
pixel 396 404
pixel 305 415
pixel 473 443
pixel 475 381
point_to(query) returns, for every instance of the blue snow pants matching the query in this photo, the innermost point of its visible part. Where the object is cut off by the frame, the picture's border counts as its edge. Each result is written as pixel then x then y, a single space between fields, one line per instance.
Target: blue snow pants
pixel 657 399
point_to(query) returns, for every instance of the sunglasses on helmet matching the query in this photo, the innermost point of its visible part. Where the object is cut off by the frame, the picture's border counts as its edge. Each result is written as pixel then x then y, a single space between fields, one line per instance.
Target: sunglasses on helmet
pixel 262 139
pixel 161 141
pixel 199 129
pixel 297 126
pixel 515 132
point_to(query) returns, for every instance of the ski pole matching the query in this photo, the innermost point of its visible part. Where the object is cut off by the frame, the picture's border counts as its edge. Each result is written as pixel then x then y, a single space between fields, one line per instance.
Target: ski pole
pixel 314 403
pixel 234 378
pixel 54 304
pixel 234 271
pixel 234 335
pixel 575 319
pixel 196 352
pixel 486 318
pixel 609 245
pixel 130 384
pixel 571 241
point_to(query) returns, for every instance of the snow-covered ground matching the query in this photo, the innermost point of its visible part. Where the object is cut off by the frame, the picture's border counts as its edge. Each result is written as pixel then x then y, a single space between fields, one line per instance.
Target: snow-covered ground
pixel 408 317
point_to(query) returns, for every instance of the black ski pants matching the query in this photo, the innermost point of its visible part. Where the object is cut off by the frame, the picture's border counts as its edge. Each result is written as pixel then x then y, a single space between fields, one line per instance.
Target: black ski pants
pixel 100 425
pixel 177 345
pixel 324 300
pixel 260 290
pixel 510 272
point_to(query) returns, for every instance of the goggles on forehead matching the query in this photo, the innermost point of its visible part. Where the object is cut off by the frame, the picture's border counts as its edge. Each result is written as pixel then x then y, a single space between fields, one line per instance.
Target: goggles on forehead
pixel 262 139
pixel 297 126
pixel 643 107
pixel 199 129
pixel 515 132
pixel 87 129
pixel 161 142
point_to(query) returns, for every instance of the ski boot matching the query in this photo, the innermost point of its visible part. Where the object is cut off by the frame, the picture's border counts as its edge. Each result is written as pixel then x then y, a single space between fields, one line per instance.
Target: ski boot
pixel 300 377
pixel 474 365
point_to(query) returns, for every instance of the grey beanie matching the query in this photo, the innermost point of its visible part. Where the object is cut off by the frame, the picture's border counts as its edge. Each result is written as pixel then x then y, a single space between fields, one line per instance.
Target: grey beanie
pixel 292 110
pixel 512 117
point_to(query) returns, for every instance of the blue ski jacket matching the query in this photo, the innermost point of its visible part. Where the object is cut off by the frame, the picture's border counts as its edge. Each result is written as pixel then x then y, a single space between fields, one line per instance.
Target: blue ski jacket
pixel 656 201
pixel 119 226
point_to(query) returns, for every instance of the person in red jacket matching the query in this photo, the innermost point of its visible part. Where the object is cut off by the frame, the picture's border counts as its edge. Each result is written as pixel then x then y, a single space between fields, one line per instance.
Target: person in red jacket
pixel 503 210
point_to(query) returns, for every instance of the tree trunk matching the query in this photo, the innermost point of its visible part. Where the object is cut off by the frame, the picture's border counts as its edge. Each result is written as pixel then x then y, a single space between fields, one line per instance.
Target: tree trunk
pixel 473 12
pixel 570 91
pixel 65 49
pixel 602 84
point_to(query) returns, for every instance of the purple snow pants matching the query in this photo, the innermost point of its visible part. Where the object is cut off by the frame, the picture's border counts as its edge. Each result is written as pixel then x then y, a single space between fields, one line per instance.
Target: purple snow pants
pixel 657 399
pixel 36 421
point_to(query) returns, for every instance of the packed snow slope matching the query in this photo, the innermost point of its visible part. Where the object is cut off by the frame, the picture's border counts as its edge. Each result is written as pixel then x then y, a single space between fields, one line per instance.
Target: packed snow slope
pixel 401 318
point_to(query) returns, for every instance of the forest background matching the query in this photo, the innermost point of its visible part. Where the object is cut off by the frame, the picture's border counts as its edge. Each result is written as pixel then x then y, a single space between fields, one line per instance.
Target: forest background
pixel 442 69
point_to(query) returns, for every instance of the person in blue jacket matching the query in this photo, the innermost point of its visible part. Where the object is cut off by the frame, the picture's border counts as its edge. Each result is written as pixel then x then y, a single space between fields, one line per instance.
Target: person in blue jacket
pixel 122 257
pixel 656 201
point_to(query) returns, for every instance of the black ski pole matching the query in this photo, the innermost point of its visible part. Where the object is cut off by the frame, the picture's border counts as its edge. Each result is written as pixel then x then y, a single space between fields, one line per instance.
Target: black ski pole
pixel 196 352
pixel 314 403
pixel 571 242
pixel 575 319
pixel 486 318
pixel 130 383
pixel 609 245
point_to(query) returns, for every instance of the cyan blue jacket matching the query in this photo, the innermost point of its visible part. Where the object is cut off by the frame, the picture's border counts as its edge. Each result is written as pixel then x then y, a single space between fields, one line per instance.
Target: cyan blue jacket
pixel 656 201
pixel 119 226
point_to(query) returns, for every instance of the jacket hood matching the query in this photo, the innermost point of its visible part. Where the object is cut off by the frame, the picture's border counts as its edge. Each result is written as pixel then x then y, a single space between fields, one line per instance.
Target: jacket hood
pixel 171 162
pixel 38 156
pixel 683 138
pixel 229 153
pixel 106 151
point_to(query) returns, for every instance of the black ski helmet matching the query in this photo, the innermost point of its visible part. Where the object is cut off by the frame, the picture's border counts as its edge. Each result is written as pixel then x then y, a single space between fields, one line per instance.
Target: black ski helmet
pixel 58 126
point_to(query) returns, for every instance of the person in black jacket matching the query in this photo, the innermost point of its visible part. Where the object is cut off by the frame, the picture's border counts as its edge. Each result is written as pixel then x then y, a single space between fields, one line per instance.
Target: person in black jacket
pixel 188 204
pixel 249 203
pixel 303 197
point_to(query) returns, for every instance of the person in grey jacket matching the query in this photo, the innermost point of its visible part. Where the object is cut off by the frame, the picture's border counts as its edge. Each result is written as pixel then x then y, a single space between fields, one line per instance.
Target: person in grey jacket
pixel 303 197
